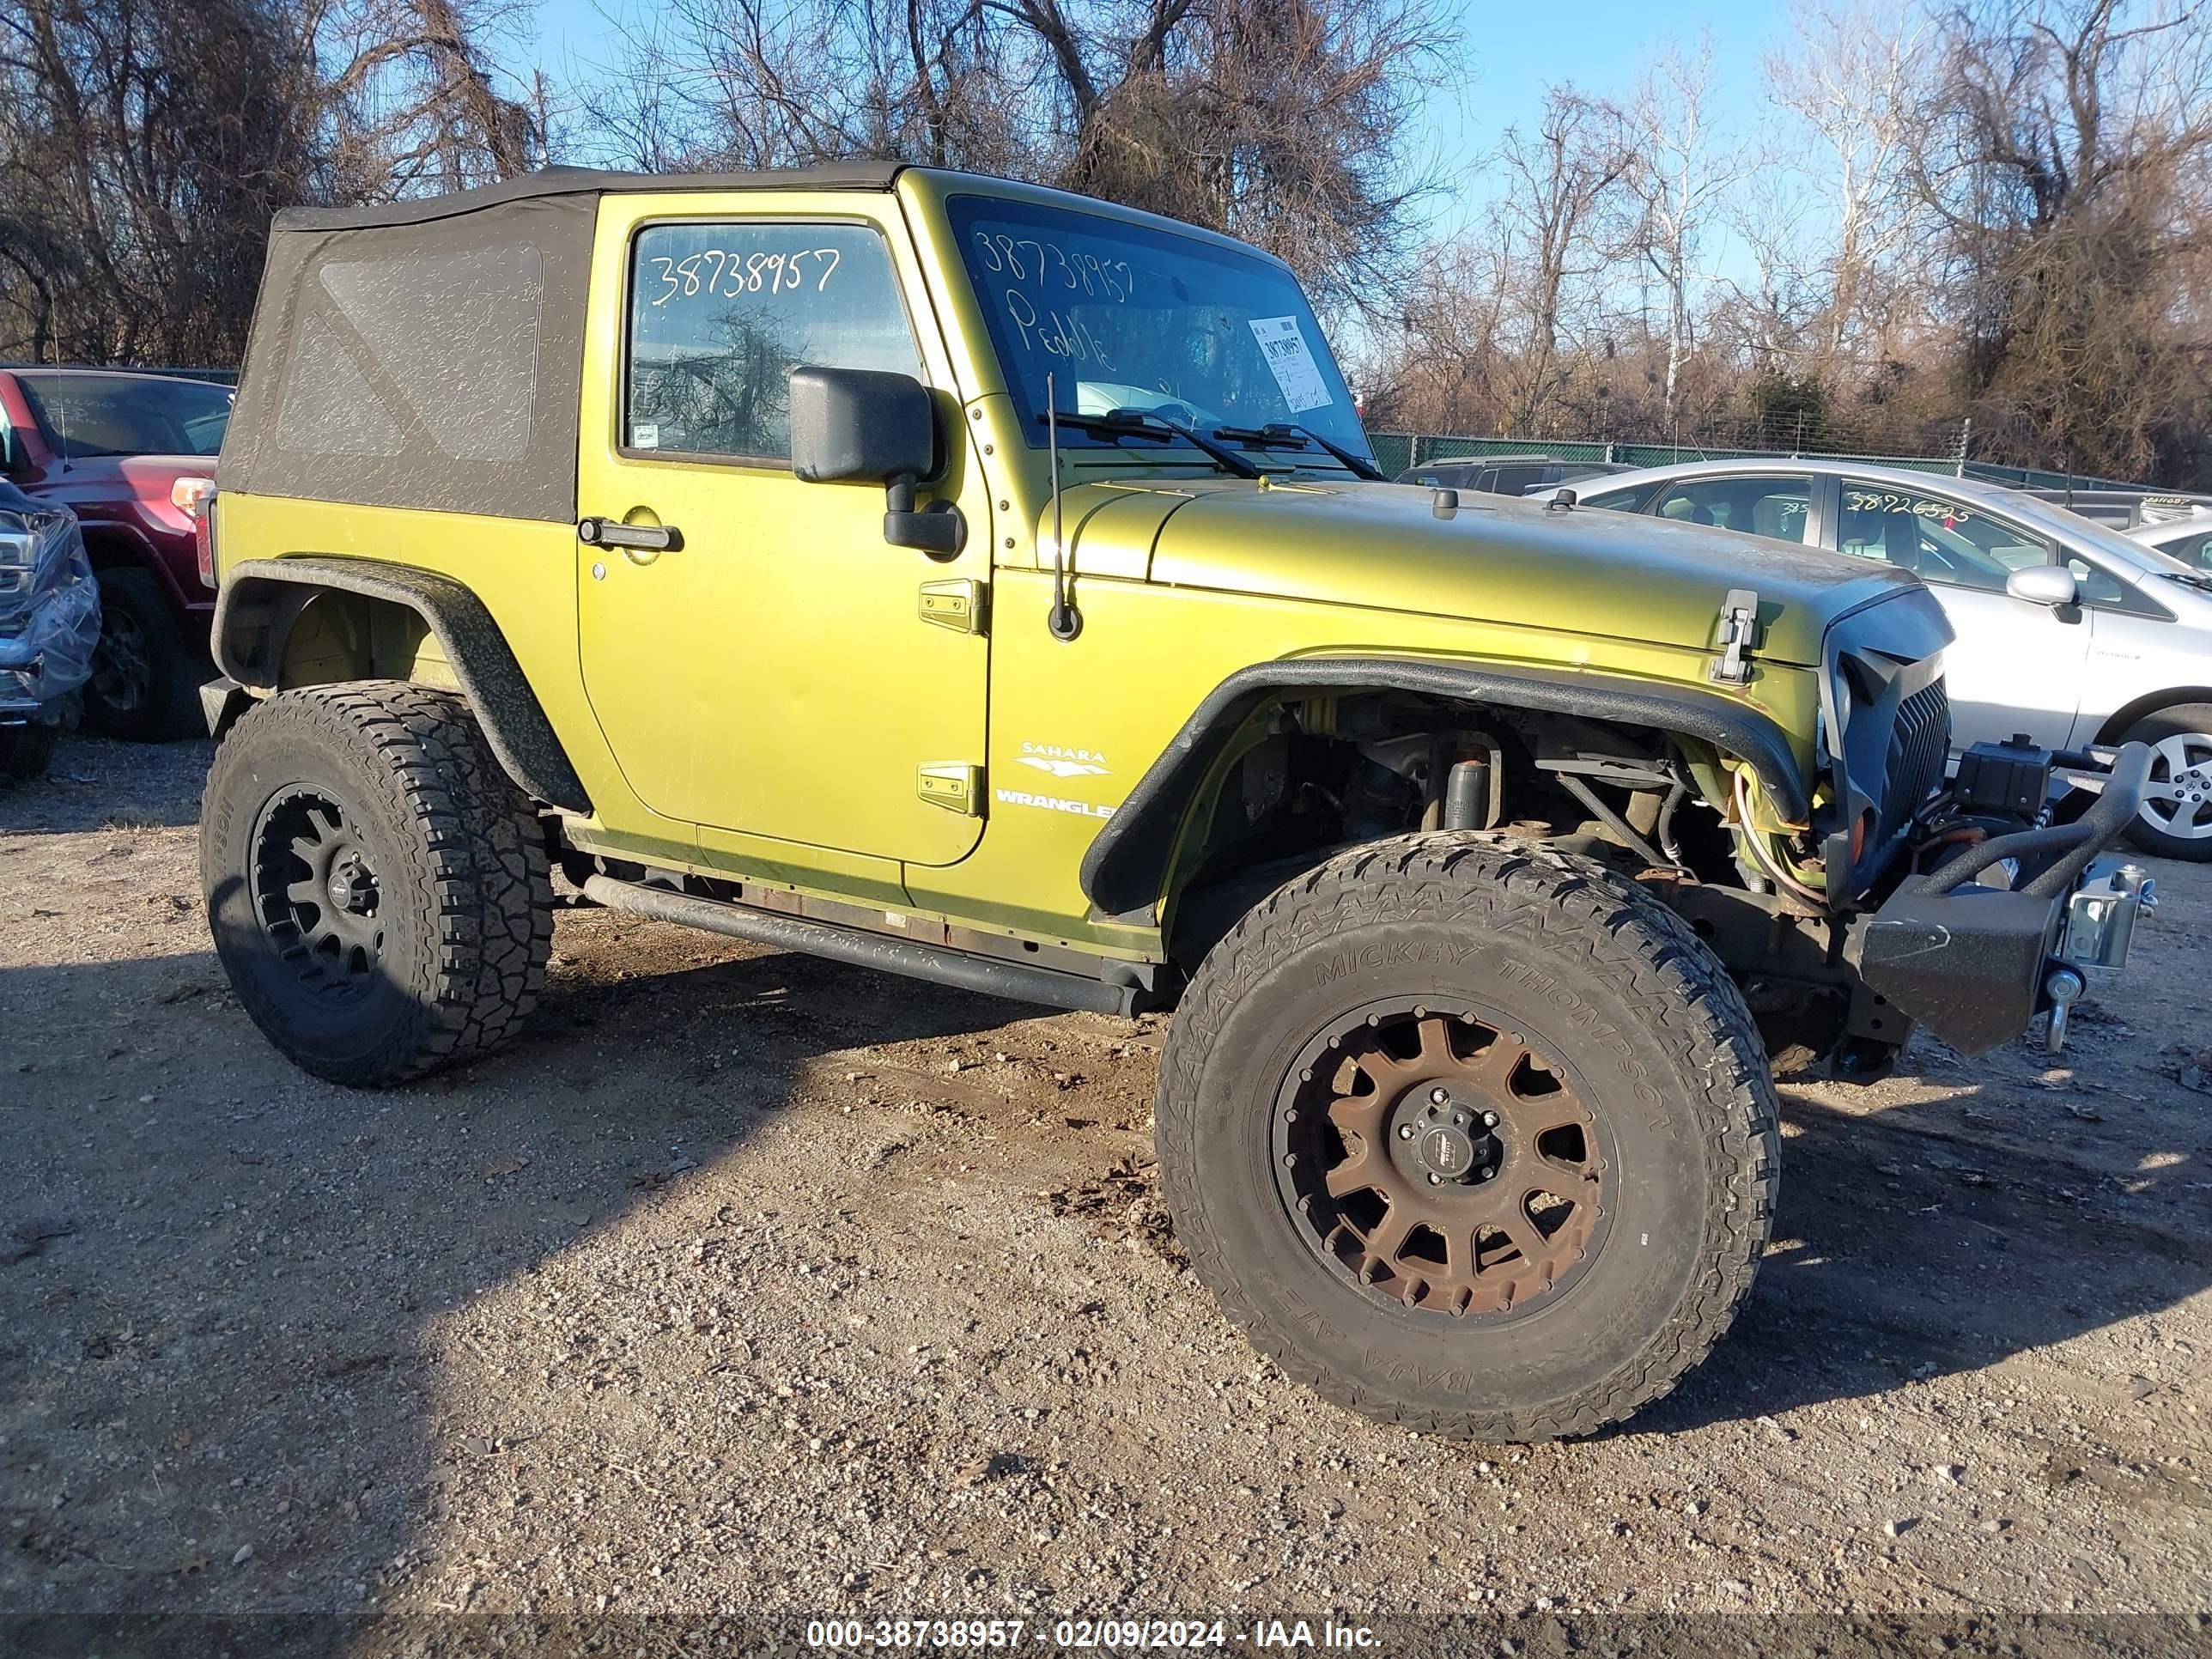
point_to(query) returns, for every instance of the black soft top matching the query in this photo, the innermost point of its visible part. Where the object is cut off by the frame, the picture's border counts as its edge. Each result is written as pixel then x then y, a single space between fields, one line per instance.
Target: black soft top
pixel 586 181
pixel 429 354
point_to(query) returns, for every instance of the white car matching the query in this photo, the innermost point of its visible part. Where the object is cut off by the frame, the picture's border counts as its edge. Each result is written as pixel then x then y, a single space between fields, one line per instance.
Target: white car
pixel 2069 632
pixel 2188 540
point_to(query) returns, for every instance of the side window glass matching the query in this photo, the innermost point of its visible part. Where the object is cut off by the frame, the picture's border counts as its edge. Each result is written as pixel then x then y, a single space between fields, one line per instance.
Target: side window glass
pixel 2099 587
pixel 1776 507
pixel 720 315
pixel 2192 549
pixel 1937 539
pixel 1616 500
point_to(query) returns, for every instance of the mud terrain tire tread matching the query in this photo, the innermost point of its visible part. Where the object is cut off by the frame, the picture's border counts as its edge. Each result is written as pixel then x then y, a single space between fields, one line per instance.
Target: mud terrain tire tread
pixel 1652 959
pixel 476 875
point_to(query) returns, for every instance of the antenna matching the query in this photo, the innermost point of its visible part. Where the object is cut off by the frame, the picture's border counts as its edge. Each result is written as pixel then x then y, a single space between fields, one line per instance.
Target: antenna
pixel 1065 620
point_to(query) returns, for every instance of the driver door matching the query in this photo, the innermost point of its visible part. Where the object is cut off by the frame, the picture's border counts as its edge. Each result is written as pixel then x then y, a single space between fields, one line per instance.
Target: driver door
pixel 779 671
pixel 2016 666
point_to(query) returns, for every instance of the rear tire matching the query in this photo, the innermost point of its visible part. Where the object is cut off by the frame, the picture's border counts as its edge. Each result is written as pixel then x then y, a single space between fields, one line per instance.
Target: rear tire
pixel 376 884
pixel 144 672
pixel 2175 820
pixel 1540 1278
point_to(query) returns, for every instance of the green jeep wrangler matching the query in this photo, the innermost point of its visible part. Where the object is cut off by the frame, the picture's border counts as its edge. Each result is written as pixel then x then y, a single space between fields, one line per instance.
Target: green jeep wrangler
pixel 973 582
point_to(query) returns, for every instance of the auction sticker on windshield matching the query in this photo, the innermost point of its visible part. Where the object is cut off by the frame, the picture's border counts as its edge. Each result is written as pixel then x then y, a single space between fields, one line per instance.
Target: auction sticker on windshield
pixel 1291 361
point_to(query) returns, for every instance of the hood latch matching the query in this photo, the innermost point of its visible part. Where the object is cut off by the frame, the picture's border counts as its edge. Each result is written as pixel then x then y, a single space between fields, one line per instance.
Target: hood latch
pixel 1739 619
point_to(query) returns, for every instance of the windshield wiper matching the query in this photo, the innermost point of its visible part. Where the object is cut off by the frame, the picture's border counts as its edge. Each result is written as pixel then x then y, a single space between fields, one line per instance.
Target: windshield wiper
pixel 1143 423
pixel 1289 434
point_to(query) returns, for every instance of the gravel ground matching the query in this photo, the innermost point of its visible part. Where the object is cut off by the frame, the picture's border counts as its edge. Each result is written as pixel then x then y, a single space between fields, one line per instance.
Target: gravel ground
pixel 747 1280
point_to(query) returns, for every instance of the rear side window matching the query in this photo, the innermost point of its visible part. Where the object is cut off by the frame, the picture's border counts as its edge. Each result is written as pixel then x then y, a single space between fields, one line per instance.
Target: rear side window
pixel 720 315
pixel 1778 507
pixel 1614 501
pixel 1936 538
pixel 432 348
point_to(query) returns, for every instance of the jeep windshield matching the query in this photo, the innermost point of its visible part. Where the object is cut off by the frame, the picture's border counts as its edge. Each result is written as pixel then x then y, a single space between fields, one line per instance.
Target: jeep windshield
pixel 1125 317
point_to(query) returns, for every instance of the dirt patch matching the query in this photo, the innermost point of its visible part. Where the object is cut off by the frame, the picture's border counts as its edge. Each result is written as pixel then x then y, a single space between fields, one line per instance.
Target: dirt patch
pixel 747 1280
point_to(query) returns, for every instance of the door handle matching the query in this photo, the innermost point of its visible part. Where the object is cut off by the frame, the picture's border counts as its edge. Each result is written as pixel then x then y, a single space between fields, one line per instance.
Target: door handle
pixel 612 532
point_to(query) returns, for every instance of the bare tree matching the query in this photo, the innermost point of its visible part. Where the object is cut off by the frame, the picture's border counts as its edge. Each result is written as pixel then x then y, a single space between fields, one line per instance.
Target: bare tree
pixel 1285 122
pixel 2067 155
pixel 409 100
pixel 1557 222
pixel 143 145
pixel 1683 172
pixel 1847 87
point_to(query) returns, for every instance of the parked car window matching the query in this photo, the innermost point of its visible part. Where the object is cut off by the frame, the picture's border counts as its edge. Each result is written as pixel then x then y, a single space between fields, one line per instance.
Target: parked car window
pixel 1937 539
pixel 1614 501
pixel 2195 549
pixel 1779 506
pixel 1512 480
pixel 2098 586
pixel 96 415
pixel 720 315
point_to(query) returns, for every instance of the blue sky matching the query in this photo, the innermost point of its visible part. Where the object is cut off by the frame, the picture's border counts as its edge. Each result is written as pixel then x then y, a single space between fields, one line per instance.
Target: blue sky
pixel 1511 53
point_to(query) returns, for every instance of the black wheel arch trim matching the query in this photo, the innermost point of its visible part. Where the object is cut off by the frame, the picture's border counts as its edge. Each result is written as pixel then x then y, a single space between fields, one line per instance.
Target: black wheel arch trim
pixel 262 598
pixel 1126 866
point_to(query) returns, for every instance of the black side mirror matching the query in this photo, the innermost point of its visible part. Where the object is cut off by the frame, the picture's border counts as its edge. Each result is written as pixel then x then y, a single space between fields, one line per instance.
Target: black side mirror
pixel 868 426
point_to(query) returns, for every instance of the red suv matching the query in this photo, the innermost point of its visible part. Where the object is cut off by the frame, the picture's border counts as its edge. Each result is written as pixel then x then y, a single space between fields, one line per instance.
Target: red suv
pixel 123 450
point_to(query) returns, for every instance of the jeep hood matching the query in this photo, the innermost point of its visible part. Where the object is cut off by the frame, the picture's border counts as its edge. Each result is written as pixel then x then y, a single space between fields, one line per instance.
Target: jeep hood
pixel 1495 559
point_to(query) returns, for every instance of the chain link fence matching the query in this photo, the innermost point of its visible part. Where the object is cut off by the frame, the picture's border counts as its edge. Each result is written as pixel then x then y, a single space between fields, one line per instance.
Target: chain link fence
pixel 1400 452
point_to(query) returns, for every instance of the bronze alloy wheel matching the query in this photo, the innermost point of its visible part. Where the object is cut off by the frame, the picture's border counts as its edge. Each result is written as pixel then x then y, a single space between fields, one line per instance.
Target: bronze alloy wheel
pixel 1440 1161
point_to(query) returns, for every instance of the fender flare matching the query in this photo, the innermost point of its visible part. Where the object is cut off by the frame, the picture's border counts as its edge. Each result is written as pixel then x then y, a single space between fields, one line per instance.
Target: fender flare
pixel 261 599
pixel 1126 866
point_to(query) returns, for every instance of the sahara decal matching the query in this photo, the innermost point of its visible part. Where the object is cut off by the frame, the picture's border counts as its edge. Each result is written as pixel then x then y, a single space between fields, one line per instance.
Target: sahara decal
pixel 1064 762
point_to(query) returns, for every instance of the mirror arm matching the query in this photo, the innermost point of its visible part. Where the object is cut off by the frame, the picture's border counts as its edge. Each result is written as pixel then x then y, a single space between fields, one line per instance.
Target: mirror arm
pixel 941 529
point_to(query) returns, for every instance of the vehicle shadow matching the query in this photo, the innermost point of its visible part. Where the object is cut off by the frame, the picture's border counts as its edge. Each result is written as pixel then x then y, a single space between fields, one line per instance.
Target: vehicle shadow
pixel 224 1284
pixel 228 1292
pixel 1918 1240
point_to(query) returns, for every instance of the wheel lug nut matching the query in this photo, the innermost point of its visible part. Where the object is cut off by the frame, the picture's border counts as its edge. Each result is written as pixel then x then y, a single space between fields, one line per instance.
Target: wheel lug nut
pixel 1436 1181
pixel 1405 1132
pixel 1439 1096
pixel 1490 1120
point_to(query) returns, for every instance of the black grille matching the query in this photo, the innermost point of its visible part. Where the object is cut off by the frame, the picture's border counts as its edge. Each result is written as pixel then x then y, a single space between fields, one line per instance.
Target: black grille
pixel 1918 745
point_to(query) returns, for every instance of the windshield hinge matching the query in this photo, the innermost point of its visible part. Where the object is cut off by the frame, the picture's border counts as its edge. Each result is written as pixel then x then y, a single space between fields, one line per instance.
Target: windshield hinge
pixel 1739 619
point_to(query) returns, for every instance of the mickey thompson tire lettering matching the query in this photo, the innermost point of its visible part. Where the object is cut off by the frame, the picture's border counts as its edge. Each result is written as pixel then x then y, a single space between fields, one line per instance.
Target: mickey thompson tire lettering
pixel 444 858
pixel 1640 1024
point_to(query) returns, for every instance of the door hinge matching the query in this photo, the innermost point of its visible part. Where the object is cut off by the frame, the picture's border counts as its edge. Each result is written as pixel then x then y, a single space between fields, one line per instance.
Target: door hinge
pixel 954 785
pixel 1739 621
pixel 956 603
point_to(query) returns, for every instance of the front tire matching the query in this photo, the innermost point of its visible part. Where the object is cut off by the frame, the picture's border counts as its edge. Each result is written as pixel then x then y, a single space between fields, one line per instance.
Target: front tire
pixel 1471 1136
pixel 143 669
pixel 2175 819
pixel 376 884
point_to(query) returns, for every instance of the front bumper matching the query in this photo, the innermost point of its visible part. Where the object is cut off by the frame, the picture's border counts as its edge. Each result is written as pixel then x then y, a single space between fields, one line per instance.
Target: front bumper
pixel 46 641
pixel 1975 963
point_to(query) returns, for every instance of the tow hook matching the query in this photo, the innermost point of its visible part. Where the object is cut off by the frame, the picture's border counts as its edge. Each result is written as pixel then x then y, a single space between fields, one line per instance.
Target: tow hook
pixel 2062 987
